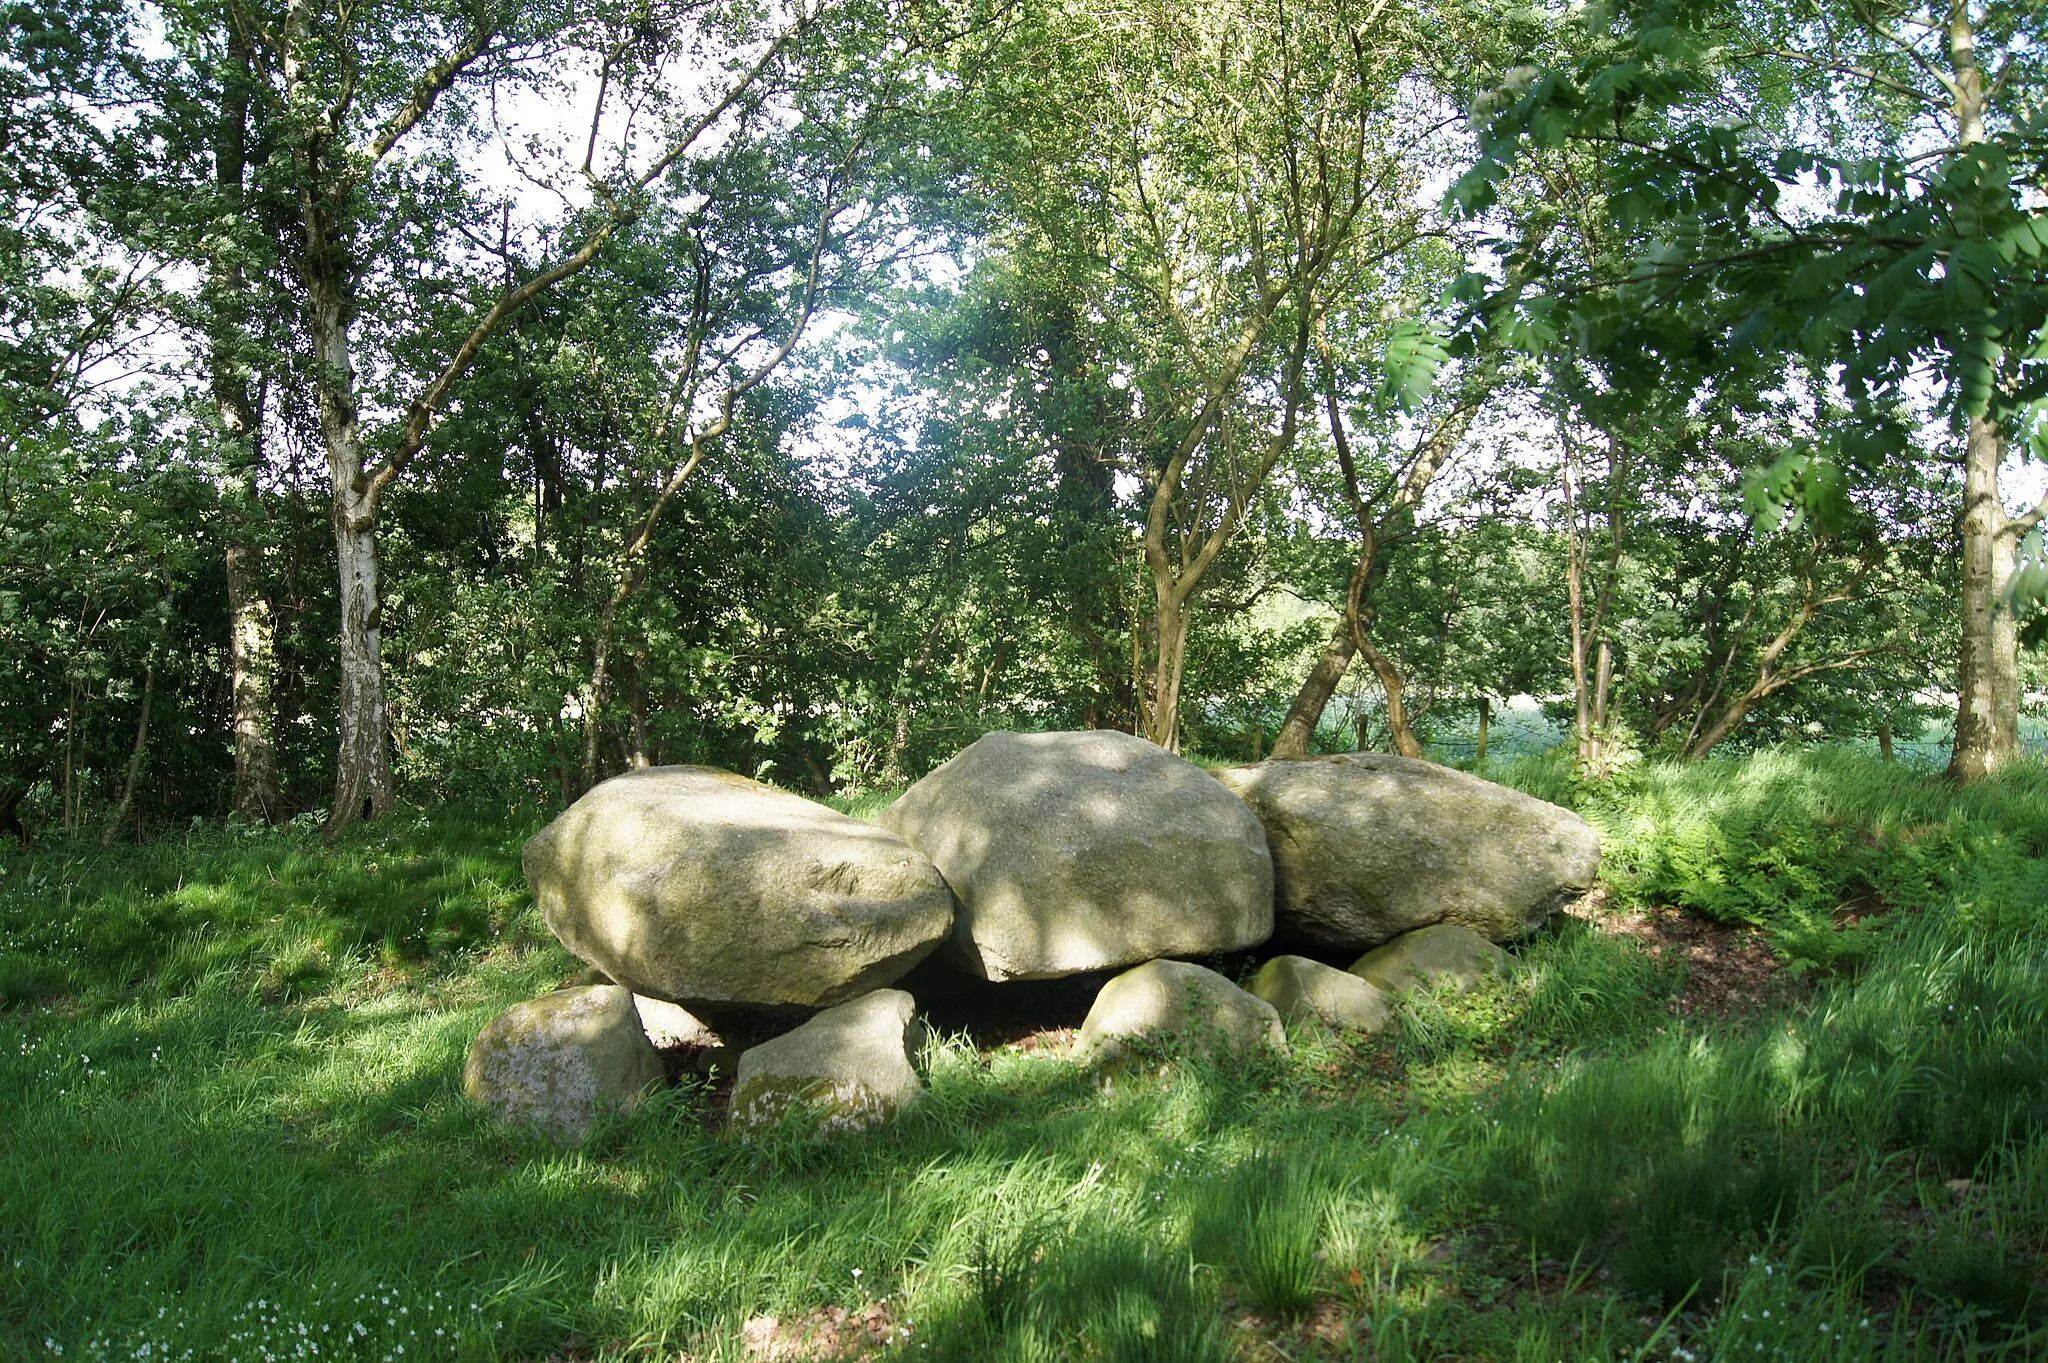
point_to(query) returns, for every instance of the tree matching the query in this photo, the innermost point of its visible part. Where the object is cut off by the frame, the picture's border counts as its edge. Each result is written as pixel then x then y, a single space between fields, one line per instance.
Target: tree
pixel 342 94
pixel 1920 256
pixel 1385 511
pixel 1211 183
pixel 781 223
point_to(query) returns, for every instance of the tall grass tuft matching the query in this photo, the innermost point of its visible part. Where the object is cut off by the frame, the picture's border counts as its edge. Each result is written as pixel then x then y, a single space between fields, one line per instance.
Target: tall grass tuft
pixel 1265 1227
pixel 1129 1301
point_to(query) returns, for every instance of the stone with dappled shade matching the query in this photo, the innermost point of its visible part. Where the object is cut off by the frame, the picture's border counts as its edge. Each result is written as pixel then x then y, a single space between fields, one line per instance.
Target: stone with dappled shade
pixel 1173 1000
pixel 1431 958
pixel 706 889
pixel 1367 846
pixel 1081 851
pixel 1301 989
pixel 558 1061
pixel 847 1068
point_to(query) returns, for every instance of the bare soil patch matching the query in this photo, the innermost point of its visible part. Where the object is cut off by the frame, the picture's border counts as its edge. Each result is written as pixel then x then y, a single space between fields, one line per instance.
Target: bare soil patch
pixel 1730 970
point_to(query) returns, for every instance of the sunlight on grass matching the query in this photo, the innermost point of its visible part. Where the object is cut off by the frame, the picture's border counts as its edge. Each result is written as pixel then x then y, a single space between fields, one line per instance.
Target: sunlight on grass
pixel 238 1116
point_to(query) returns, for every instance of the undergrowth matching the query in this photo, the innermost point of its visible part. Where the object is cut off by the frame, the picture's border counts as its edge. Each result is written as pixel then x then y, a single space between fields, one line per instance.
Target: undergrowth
pixel 237 1129
pixel 1815 847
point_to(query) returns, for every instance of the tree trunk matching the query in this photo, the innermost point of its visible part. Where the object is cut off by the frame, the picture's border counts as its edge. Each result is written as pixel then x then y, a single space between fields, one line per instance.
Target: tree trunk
pixel 1724 724
pixel 599 687
pixel 597 693
pixel 1429 458
pixel 637 758
pixel 893 772
pixel 1163 719
pixel 250 659
pixel 1405 742
pixel 1987 663
pixel 1140 704
pixel 899 744
pixel 249 631
pixel 1297 732
pixel 1603 685
pixel 362 775
pixel 362 769
pixel 120 814
pixel 1591 652
pixel 1485 720
pixel 1884 741
pixel 1575 593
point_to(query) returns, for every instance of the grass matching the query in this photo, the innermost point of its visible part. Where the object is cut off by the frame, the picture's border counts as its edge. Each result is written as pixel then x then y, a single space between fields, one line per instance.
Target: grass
pixel 236 1130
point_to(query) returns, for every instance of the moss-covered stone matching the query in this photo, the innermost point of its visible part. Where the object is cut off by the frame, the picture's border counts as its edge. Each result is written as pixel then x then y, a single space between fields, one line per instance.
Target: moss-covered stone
pixel 1367 846
pixel 1178 1002
pixel 1302 990
pixel 1430 958
pixel 1072 852
pixel 847 1068
pixel 558 1061
pixel 712 891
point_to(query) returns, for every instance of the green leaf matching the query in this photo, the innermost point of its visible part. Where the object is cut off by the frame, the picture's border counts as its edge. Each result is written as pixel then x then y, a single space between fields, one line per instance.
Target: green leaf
pixel 1415 352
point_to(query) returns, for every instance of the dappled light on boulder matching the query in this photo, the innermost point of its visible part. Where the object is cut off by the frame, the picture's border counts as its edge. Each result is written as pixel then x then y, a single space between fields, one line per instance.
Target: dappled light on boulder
pixel 1175 1003
pixel 1081 851
pixel 1303 991
pixel 560 1061
pixel 849 1067
pixel 726 910
pixel 1430 958
pixel 1367 846
pixel 706 889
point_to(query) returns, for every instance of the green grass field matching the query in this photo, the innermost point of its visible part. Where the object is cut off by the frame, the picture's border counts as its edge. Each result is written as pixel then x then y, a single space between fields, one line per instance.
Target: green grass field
pixel 235 1127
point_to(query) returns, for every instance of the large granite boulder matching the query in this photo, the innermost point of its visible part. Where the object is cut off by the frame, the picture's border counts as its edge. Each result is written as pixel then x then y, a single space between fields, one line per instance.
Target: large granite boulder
pixel 1366 847
pixel 1301 990
pixel 1432 958
pixel 666 1025
pixel 1175 1000
pixel 558 1061
pixel 708 890
pixel 849 1067
pixel 1082 851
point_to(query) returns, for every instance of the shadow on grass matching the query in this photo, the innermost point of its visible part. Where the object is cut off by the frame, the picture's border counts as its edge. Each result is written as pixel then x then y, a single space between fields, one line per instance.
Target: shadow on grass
pixel 210 1150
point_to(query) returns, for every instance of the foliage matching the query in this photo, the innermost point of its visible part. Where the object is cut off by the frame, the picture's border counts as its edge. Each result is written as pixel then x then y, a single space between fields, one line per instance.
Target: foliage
pixel 1889 231
pixel 1798 842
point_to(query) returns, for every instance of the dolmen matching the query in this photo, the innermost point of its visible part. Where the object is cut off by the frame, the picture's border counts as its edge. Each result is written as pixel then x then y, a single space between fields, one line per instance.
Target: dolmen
pixel 698 896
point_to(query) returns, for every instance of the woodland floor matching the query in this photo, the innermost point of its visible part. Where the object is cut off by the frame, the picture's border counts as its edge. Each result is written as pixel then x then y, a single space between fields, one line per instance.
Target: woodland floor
pixel 1780 1093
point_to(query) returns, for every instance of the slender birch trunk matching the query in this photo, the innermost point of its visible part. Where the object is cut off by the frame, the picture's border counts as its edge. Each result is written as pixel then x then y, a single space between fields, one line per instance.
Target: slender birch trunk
pixel 1987 661
pixel 362 772
pixel 362 777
